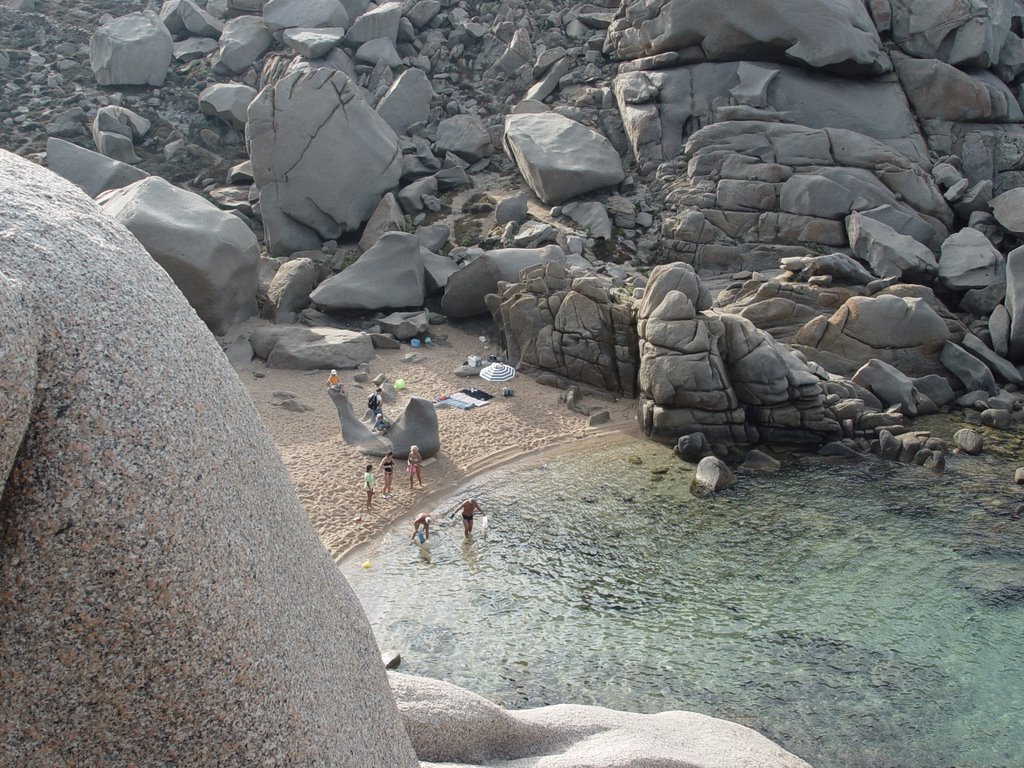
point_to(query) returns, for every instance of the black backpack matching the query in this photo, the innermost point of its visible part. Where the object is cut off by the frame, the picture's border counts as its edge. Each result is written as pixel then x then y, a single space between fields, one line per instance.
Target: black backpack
pixel 373 401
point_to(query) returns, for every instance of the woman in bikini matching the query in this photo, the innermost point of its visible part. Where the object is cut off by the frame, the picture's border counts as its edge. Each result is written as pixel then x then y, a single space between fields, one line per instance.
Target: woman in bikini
pixel 413 467
pixel 388 465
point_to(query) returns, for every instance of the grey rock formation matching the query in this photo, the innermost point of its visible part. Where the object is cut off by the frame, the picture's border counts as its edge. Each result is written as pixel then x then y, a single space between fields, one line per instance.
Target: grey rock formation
pixel 1015 304
pixel 969 260
pixel 889 253
pixel 662 108
pixel 570 327
pixel 288 14
pixel 725 211
pixel 693 447
pixel 415 425
pixel 243 41
pixel 308 126
pixel 465 136
pixel 1008 208
pixel 115 130
pixel 184 17
pixel 131 50
pixel 891 387
pixel 405 325
pixel 395 255
pixel 567 736
pixel 356 432
pixel 313 43
pixel 407 101
pixel 971 371
pixel 211 255
pixel 380 22
pixel 305 348
pixel 91 171
pixel 560 158
pixel 143 495
pixel 969 441
pixel 713 474
pixel 718 374
pixel 838 36
pixel 228 102
pixel 904 332
pixel 288 292
pixel 466 290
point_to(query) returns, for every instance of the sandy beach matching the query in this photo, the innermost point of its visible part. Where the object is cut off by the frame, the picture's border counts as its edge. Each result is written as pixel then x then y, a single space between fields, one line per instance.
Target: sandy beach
pixel 328 474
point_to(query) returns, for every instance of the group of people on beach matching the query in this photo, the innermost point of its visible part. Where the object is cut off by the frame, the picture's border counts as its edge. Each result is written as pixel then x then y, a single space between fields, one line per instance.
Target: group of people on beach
pixel 413 468
pixel 413 465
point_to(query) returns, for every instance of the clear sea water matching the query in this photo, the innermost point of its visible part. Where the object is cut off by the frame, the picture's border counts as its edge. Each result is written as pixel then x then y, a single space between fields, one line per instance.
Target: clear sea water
pixel 858 615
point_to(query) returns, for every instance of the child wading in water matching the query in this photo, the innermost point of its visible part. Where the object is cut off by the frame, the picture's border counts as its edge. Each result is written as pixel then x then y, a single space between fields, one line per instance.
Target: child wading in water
pixel 369 481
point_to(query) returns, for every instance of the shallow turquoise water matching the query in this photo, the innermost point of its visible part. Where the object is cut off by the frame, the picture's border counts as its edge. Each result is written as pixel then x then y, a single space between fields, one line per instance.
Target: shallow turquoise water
pixel 857 616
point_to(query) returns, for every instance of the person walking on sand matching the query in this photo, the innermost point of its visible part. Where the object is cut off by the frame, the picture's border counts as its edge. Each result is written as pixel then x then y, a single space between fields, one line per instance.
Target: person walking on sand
pixel 469 508
pixel 413 467
pixel 422 520
pixel 388 465
pixel 369 481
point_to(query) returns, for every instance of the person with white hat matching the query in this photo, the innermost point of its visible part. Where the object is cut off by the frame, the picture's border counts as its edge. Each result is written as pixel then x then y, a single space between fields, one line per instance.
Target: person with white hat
pixel 422 520
pixel 334 381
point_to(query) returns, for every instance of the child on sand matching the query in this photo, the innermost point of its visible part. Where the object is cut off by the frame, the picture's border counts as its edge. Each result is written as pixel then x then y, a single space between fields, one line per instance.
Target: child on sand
pixel 369 481
pixel 334 381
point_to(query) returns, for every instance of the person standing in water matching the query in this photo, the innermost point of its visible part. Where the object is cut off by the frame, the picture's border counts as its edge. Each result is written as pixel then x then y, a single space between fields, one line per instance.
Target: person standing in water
pixel 422 521
pixel 369 481
pixel 469 508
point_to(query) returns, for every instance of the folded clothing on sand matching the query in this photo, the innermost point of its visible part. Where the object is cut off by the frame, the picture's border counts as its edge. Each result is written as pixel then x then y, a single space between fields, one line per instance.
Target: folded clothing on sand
pixel 463 401
pixel 477 394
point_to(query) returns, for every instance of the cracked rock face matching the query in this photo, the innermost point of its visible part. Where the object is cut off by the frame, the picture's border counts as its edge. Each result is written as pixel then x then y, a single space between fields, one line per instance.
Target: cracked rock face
pixel 321 156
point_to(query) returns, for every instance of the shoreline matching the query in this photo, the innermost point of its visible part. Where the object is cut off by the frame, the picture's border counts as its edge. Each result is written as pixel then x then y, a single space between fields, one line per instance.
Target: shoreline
pixel 327 473
pixel 599 437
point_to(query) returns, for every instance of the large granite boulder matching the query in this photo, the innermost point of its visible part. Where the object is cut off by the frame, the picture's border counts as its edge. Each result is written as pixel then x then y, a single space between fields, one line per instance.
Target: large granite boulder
pixel 312 125
pixel 568 326
pixel 211 255
pixel 905 332
pixel 389 275
pixel 91 171
pixel 838 35
pixel 1015 304
pixel 969 260
pixel 243 41
pixel 560 158
pixel 407 102
pixel 184 18
pixel 566 736
pixel 131 50
pixel 466 290
pixel 888 252
pixel 718 374
pixel 296 346
pixel 289 289
pixel 465 136
pixel 289 14
pixel 228 102
pixel 167 599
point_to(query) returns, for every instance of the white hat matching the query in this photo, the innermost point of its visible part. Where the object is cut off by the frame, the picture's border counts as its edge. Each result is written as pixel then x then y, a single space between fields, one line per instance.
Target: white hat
pixel 333 372
pixel 428 521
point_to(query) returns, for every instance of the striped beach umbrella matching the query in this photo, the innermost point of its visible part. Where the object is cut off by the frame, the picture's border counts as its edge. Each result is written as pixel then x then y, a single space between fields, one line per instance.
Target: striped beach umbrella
pixel 497 372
